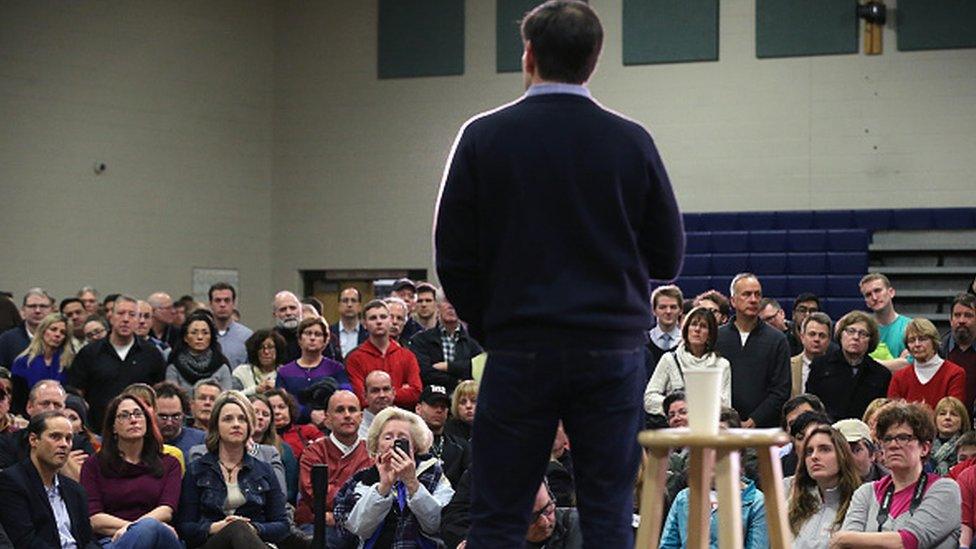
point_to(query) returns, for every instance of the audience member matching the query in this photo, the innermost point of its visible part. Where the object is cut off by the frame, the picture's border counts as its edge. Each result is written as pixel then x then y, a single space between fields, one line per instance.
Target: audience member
pixel 230 499
pixel 957 345
pixel 695 350
pixel 758 355
pixel 105 367
pixel 171 404
pixel 349 332
pixel 379 352
pixel 799 427
pixel 397 501
pixel 399 311
pixel 133 488
pixel 147 395
pixel 298 375
pixel 464 402
pixel 717 303
pixel 108 306
pixel 143 329
pixel 89 298
pixel 285 410
pixel 792 409
pixel 951 422
pixel 204 395
pixel 929 377
pixel 230 334
pixel 8 421
pixel 965 452
pixel 76 410
pixel 804 305
pixel 425 311
pixel 815 338
pixel 95 328
pixel 406 290
pixel 46 396
pixel 265 349
pixel 847 379
pixel 39 506
pixel 74 311
pixel 287 311
pixel 198 356
pixel 878 296
pixel 666 306
pixel 379 396
pixel 266 436
pixel 445 351
pixel 858 436
pixel 820 493
pixel 48 356
pixel 343 452
pixel 559 471
pixel 910 507
pixel 36 305
pixel 163 328
pixel 676 409
pixel 772 313
pixel 453 452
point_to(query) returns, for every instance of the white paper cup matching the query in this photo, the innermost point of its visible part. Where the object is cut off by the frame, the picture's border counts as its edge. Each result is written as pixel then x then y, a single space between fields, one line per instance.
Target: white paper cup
pixel 702 389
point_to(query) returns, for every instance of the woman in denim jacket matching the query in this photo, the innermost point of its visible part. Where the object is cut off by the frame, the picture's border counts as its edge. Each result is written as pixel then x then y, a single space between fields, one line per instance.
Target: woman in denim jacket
pixel 230 499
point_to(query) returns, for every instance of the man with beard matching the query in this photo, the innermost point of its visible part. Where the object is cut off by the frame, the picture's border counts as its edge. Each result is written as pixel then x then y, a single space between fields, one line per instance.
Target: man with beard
pixel 287 312
pixel 957 345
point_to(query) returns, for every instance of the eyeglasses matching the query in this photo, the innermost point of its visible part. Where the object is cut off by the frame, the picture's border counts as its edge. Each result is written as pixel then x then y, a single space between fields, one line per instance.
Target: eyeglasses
pixel 917 339
pixel 900 440
pixel 126 416
pixel 805 309
pixel 855 332
pixel 269 347
pixel 170 417
pixel 37 306
pixel 544 511
pixel 95 333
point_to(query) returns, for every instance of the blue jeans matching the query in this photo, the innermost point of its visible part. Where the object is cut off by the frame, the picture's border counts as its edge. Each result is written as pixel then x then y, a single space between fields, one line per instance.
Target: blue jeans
pixel 522 397
pixel 146 533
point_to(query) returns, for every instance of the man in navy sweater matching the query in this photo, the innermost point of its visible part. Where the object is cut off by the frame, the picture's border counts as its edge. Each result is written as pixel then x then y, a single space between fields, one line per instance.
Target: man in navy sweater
pixel 554 214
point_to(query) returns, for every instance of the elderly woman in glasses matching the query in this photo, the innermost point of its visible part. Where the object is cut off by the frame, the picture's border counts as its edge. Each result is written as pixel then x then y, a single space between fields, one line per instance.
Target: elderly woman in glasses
pixel 848 379
pixel 908 508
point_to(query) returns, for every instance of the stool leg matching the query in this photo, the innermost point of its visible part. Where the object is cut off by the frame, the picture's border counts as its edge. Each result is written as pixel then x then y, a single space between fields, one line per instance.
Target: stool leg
pixel 727 484
pixel 699 507
pixel 652 499
pixel 771 474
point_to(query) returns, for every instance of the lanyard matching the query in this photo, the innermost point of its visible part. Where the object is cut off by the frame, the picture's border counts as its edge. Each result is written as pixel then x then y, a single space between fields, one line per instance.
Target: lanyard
pixel 923 480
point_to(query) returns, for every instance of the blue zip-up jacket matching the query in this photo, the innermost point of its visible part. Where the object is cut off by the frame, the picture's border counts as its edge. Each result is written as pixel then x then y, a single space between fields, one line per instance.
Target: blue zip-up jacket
pixel 204 493
pixel 754 535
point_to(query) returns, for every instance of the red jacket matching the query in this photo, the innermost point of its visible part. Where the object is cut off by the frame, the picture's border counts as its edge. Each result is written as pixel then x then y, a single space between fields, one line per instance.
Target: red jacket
pixel 399 362
pixel 950 380
pixel 340 469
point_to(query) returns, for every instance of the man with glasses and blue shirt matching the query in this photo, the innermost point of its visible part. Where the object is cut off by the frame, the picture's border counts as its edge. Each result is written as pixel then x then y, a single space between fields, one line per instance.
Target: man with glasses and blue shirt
pixel 553 216
pixel 171 402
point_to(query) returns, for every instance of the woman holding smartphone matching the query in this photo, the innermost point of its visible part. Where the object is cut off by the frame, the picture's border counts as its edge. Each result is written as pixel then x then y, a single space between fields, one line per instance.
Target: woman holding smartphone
pixel 399 499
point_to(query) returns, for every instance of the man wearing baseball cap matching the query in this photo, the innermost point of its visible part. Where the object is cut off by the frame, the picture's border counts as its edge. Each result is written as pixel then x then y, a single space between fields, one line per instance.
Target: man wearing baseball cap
pixel 453 451
pixel 858 435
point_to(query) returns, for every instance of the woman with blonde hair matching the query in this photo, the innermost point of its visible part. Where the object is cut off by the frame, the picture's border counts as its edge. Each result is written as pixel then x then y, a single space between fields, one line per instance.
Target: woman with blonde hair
pixel 930 377
pixel 820 492
pixel 463 404
pixel 398 501
pixel 47 356
pixel 951 422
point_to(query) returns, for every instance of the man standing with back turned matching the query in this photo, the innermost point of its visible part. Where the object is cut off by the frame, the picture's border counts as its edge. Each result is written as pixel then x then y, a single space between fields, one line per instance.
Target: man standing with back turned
pixel 553 216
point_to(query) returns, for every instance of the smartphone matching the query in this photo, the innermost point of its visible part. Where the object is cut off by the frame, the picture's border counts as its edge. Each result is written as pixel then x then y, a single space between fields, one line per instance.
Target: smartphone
pixel 402 444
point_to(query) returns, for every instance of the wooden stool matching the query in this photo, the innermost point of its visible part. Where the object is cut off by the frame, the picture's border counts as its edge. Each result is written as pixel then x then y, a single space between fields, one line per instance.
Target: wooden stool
pixel 723 450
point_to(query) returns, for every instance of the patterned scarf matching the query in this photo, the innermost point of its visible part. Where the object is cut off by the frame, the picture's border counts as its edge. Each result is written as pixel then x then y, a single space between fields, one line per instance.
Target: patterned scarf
pixel 193 367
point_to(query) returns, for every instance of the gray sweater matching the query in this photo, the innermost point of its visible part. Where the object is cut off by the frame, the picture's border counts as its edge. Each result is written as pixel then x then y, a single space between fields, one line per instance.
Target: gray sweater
pixel 816 530
pixel 936 523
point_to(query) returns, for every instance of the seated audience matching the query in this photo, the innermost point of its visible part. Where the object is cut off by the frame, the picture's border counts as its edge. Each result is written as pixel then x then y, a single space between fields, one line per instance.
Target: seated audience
pixel 909 508
pixel 171 401
pixel 820 492
pixel 958 344
pixel 95 328
pixel 36 305
pixel 76 410
pixel 815 340
pixel 285 410
pixel 951 422
pixel 48 356
pixel 559 471
pixel 716 302
pixel 863 449
pixel 793 408
pixel 804 305
pixel 453 452
pixel 203 396
pixel 464 401
pixel 965 452
pixel 799 427
pixel 379 352
pixel 264 435
pixel 379 396
pixel 265 353
pixel 8 421
pixel 300 374
pixel 965 475
pixel 444 352
pixel 397 501
pixel 133 488
pixel 930 377
pixel 147 395
pixel 847 379
pixel 39 506
pixel 230 499
pixel 197 355
pixel 694 351
pixel 343 452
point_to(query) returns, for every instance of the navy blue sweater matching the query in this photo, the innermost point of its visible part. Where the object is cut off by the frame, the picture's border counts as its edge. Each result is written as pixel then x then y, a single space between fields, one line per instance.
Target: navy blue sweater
pixel 554 215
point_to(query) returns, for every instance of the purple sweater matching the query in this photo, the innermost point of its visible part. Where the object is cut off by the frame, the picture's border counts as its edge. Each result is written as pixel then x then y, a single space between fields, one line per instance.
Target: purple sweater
pixel 295 379
pixel 132 493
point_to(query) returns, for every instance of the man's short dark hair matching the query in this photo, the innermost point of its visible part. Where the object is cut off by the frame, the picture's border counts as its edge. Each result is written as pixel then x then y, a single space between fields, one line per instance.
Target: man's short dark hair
pixel 68 301
pixel 566 38
pixel 38 422
pixel 804 297
pixel 673 396
pixel 813 401
pixel 375 304
pixel 221 286
pixel 359 296
pixel 804 420
pixel 966 300
pixel 110 298
pixel 426 288
pixel 168 389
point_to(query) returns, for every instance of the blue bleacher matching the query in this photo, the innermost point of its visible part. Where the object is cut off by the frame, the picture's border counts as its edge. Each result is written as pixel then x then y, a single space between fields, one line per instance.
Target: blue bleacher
pixel 775 284
pixel 808 241
pixel 815 284
pixel 697 265
pixel 767 241
pixel 847 240
pixel 698 242
pixel 730 263
pixel 843 285
pixel 808 263
pixel 730 241
pixel 768 264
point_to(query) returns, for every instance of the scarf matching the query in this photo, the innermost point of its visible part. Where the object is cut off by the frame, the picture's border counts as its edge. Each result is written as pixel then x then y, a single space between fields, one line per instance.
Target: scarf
pixel 944 454
pixel 688 361
pixel 193 367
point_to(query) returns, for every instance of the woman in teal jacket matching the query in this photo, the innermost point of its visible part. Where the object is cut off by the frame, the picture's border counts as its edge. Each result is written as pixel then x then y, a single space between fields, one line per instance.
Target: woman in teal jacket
pixel 754 535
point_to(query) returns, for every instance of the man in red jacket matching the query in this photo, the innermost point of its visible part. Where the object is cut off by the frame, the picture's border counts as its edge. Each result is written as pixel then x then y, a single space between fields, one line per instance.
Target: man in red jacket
pixel 381 352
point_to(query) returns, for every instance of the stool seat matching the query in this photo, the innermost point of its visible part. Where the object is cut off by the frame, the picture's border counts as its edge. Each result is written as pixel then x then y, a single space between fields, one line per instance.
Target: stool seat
pixel 722 450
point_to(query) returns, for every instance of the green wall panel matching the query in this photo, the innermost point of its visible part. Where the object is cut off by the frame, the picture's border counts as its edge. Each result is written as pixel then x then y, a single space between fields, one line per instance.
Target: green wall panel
pixel 508 39
pixel 936 24
pixel 420 38
pixel 793 28
pixel 669 31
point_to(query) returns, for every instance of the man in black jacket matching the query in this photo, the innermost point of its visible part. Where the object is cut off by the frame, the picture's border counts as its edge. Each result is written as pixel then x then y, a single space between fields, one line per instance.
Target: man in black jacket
pixel 38 506
pixel 445 351
pixel 758 354
pixel 453 451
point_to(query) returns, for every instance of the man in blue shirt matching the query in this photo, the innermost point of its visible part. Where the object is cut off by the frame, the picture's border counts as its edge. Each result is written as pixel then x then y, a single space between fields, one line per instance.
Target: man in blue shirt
pixel 171 403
